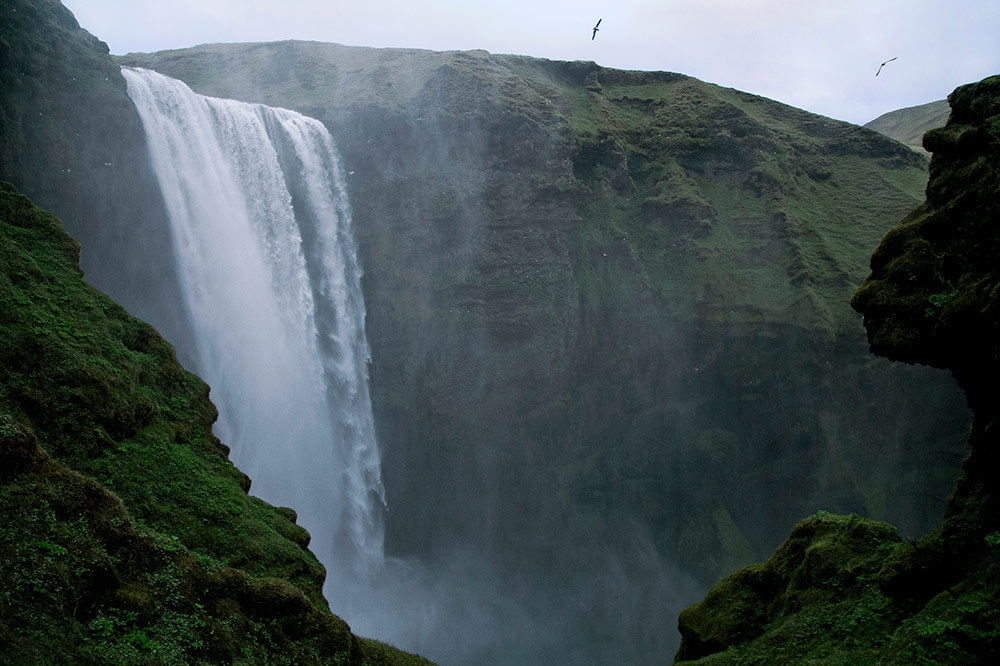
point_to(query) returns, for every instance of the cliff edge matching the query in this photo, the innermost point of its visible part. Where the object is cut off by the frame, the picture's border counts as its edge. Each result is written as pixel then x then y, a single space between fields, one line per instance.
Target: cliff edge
pixel 848 590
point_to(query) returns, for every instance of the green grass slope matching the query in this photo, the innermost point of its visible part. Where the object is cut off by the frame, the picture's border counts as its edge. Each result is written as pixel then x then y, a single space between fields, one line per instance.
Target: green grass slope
pixel 909 125
pixel 844 590
pixel 127 535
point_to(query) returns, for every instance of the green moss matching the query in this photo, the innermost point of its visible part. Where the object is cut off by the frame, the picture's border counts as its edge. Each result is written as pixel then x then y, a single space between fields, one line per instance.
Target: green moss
pixel 816 598
pixel 128 536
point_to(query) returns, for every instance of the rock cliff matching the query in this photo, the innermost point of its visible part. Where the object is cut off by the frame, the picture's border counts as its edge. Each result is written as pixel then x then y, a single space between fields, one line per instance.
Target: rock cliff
pixel 589 290
pixel 71 140
pixel 608 310
pixel 848 590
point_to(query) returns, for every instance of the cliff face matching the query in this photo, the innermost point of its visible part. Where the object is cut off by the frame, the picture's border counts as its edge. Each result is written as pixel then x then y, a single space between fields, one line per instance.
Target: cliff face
pixel 590 290
pixel 849 590
pixel 71 140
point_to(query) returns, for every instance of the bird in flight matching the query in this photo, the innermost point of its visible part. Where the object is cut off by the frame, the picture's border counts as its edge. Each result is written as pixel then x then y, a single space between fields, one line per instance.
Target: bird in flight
pixel 596 29
pixel 884 64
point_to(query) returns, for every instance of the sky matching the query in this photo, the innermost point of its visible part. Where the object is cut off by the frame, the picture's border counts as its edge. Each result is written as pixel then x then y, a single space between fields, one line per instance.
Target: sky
pixel 819 55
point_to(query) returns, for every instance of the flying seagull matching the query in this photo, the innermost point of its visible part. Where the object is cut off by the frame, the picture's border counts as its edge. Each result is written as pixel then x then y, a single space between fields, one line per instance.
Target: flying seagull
pixel 596 29
pixel 884 64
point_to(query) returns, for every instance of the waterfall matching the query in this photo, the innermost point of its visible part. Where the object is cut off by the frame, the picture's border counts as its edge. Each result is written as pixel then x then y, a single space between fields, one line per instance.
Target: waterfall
pixel 270 277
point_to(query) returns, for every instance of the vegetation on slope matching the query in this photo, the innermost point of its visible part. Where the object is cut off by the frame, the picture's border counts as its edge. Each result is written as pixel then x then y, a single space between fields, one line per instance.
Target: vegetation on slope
pixel 909 125
pixel 650 273
pixel 847 590
pixel 128 536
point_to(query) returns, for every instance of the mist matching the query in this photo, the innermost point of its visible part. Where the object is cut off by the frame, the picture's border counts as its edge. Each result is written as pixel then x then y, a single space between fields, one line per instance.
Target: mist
pixel 611 600
pixel 536 350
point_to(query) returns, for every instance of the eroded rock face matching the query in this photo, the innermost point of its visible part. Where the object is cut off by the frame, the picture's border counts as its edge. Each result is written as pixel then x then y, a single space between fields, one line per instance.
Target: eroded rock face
pixel 931 299
pixel 934 297
pixel 589 289
pixel 71 140
pixel 934 293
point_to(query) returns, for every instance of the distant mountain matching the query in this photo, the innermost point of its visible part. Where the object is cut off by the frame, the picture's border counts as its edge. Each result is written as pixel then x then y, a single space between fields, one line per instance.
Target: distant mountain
pixel 909 125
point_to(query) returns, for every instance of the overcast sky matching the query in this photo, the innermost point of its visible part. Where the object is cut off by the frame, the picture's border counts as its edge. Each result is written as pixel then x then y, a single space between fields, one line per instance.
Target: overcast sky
pixel 820 55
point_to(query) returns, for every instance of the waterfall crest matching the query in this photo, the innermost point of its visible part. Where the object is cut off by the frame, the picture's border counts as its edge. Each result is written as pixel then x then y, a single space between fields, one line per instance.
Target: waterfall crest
pixel 261 226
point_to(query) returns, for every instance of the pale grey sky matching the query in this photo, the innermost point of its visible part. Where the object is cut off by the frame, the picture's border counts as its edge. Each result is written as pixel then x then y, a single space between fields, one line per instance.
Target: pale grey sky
pixel 820 55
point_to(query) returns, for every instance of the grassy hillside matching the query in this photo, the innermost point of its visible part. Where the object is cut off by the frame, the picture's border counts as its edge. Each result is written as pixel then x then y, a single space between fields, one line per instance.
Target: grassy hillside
pixel 607 311
pixel 128 536
pixel 909 125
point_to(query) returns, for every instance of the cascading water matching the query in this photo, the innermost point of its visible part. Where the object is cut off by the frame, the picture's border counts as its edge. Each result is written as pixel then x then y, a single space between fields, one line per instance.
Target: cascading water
pixel 270 277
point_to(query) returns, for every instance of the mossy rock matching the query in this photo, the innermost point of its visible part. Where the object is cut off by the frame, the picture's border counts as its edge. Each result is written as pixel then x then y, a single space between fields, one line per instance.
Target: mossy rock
pixel 128 536
pixel 827 562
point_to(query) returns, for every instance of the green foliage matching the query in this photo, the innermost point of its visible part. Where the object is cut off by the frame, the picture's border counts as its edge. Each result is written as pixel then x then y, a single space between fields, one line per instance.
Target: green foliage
pixel 938 300
pixel 677 233
pixel 128 536
pixel 814 601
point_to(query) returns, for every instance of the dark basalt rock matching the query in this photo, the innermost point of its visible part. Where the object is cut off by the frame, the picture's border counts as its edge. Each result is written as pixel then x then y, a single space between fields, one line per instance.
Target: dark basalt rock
pixel 932 297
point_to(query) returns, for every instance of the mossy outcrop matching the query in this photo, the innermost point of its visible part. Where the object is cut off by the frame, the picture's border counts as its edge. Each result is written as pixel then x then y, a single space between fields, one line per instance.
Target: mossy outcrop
pixel 127 535
pixel 815 598
pixel 931 298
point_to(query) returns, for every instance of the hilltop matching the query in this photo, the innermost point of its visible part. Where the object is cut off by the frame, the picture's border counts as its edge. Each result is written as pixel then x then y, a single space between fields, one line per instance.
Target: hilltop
pixel 909 125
